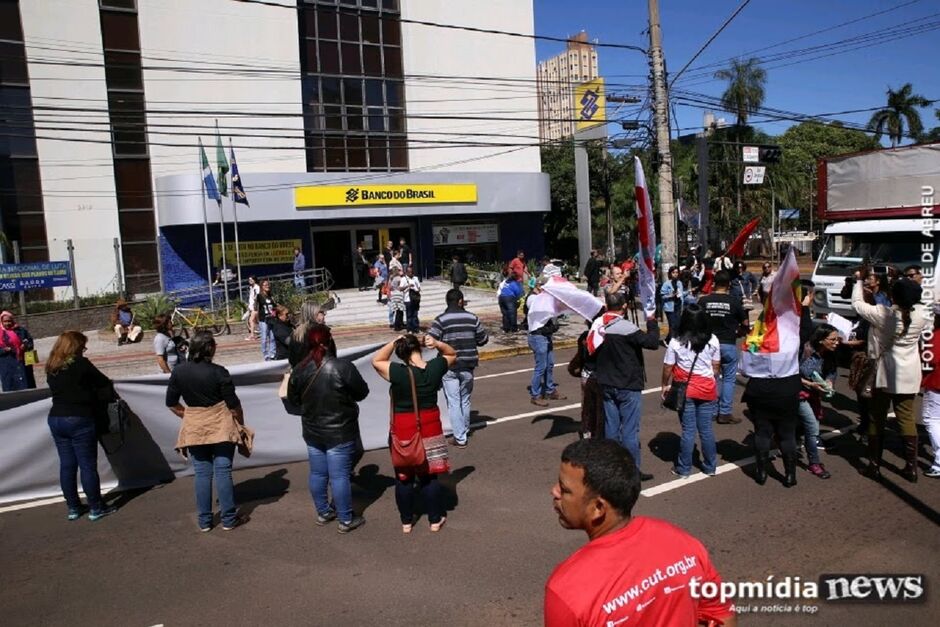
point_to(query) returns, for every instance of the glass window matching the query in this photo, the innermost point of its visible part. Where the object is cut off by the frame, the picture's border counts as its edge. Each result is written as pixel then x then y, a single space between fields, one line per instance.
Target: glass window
pixel 128 123
pixel 311 89
pixel 352 91
pixel 390 5
pixel 378 157
pixel 139 257
pixel 333 117
pixel 370 4
pixel 132 180
pixel 21 178
pixel 311 59
pixel 376 119
pixel 309 26
pixel 392 62
pixel 396 120
pixel 356 152
pixel 136 225
pixel 13 64
pixel 122 70
pixel 351 63
pixel 394 91
pixel 119 31
pixel 397 154
pixel 315 160
pixel 370 29
pixel 335 154
pixel 372 60
pixel 354 118
pixel 10 26
pixel 331 93
pixel 326 24
pixel 119 4
pixel 32 228
pixel 349 27
pixel 313 116
pixel 391 31
pixel 329 57
pixel 374 92
pixel 17 133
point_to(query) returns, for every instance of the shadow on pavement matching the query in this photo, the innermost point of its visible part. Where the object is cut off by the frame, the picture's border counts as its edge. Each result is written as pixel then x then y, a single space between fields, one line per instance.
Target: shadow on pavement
pixel 138 462
pixel 561 425
pixel 665 446
pixel 449 486
pixel 371 486
pixel 251 493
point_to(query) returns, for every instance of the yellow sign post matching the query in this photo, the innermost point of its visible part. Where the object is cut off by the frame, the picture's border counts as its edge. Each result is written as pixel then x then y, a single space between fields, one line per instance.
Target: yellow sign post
pixel 257 253
pixel 590 104
pixel 366 195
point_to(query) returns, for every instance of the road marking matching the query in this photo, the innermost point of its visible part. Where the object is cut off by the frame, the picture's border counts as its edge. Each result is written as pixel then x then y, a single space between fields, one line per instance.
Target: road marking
pixel 500 374
pixel 540 412
pixel 31 504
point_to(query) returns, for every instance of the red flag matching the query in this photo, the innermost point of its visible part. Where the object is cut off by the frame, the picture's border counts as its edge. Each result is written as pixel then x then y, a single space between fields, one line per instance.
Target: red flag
pixel 737 246
pixel 646 234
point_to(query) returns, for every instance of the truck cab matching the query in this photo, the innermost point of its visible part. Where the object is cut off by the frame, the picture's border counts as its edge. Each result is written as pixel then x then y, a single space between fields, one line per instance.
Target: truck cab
pixel 894 242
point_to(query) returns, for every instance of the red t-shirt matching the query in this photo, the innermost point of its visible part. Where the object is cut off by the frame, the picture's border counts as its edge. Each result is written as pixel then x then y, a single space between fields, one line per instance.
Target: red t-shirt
pixel 638 575
pixel 517 267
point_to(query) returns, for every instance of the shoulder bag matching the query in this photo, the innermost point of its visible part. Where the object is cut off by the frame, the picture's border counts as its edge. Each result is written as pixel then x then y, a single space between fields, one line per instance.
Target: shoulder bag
pixel 675 397
pixel 289 407
pixel 862 373
pixel 410 452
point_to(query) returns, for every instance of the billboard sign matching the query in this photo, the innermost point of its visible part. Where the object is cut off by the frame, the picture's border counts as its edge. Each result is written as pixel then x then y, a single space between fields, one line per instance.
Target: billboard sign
pixel 18 277
pixel 590 104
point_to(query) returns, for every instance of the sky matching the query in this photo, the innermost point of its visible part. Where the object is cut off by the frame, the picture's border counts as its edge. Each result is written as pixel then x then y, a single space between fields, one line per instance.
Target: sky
pixel 857 79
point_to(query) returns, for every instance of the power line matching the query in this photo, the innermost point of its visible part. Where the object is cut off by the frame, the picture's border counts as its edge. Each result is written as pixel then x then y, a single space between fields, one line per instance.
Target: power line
pixel 709 41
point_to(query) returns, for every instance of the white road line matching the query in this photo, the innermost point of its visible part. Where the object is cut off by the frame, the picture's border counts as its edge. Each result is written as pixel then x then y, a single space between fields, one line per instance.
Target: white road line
pixel 540 412
pixel 500 374
pixel 31 504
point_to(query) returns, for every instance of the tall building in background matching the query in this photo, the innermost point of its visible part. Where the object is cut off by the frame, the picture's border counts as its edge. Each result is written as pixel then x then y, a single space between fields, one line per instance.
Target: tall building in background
pixel 556 80
pixel 354 122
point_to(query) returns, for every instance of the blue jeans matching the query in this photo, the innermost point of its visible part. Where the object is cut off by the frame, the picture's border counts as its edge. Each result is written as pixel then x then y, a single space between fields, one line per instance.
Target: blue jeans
pixel 411 317
pixel 509 306
pixel 622 410
pixel 729 373
pixel 12 373
pixel 268 347
pixel 810 431
pixel 697 417
pixel 543 381
pixel 458 386
pixel 332 466
pixel 77 445
pixel 672 317
pixel 214 461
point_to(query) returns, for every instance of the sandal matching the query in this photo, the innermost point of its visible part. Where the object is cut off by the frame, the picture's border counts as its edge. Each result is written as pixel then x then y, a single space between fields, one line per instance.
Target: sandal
pixel 435 527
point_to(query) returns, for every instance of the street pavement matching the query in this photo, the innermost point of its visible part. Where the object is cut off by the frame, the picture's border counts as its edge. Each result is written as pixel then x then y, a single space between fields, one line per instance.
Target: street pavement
pixel 148 565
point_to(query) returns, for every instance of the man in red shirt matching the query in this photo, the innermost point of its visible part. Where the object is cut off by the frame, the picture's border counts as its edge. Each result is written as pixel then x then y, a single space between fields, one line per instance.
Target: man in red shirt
pixel 517 266
pixel 634 570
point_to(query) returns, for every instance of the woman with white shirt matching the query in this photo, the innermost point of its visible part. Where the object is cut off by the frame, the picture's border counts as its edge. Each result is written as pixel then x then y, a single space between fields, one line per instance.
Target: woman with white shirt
pixel 693 355
pixel 892 343
pixel 253 290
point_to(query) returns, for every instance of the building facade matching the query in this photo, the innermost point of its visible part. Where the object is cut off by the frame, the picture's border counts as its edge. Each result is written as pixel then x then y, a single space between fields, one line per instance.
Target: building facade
pixel 102 115
pixel 556 80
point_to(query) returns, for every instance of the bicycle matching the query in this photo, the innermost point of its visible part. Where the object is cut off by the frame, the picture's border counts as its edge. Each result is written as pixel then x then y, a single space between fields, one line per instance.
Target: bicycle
pixel 196 318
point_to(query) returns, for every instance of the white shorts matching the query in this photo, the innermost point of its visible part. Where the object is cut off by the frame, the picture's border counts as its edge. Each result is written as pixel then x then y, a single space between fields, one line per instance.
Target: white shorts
pixel 931 405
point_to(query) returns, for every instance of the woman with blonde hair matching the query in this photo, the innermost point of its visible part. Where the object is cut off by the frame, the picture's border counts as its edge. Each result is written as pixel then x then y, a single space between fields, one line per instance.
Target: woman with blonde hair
pixel 78 392
pixel 311 316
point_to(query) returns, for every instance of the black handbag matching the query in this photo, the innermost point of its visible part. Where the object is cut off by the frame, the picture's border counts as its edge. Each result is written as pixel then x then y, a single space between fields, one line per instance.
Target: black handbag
pixel 675 397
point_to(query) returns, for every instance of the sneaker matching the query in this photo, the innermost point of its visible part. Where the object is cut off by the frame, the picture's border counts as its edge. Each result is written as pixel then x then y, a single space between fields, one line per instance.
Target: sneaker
pixel 101 513
pixel 535 400
pixel 728 419
pixel 646 476
pixel 710 473
pixel 352 525
pixel 457 444
pixel 676 473
pixel 205 529
pixel 556 396
pixel 238 522
pixel 819 470
pixel 323 519
pixel 76 513
pixel 933 473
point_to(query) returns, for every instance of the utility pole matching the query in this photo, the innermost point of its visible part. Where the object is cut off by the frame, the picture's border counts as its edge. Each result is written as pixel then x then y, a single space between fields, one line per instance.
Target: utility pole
pixel 667 211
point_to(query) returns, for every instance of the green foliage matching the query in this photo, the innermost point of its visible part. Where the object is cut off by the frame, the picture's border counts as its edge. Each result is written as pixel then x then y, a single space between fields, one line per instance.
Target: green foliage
pixel 285 293
pixel 900 113
pixel 43 306
pixel 145 312
pixel 745 92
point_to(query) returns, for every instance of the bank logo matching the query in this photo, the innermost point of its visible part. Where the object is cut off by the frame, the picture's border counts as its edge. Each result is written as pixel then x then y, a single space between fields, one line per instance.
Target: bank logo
pixel 589 104
pixel 352 194
pixel 877 588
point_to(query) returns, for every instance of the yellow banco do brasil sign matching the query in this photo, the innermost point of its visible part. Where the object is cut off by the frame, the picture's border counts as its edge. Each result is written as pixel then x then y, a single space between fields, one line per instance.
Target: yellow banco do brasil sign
pixel 364 195
pixel 590 104
pixel 256 252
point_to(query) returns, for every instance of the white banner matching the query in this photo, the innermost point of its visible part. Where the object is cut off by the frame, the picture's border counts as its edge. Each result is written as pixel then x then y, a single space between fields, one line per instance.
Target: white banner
pixel 464 234
pixel 29 464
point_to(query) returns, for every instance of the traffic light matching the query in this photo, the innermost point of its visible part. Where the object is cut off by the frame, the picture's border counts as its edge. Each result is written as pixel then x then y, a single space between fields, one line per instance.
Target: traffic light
pixel 769 154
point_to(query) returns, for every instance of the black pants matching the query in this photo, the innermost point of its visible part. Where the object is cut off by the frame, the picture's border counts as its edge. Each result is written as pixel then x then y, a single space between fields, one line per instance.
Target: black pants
pixel 768 422
pixel 431 494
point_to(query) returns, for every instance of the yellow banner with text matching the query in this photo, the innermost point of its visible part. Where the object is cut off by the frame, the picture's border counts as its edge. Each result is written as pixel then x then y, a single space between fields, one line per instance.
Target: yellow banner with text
pixel 364 195
pixel 590 104
pixel 256 253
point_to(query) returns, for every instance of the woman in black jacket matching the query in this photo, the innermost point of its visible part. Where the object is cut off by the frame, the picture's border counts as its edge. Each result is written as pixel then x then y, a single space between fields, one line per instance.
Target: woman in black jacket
pixel 281 329
pixel 78 392
pixel 329 390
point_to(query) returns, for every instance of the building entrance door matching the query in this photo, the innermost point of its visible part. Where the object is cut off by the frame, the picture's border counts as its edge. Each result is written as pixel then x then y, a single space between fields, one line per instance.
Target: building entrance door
pixel 331 251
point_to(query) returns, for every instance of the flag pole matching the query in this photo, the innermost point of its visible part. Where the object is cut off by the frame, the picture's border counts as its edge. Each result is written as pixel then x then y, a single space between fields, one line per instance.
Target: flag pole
pixel 224 266
pixel 238 252
pixel 205 232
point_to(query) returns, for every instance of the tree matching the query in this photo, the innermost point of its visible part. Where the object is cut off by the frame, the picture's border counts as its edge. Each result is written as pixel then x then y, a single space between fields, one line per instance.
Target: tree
pixel 902 107
pixel 934 134
pixel 745 92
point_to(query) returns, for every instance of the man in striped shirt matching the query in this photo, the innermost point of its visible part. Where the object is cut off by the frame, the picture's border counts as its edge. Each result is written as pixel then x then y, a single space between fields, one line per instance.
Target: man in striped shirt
pixel 464 332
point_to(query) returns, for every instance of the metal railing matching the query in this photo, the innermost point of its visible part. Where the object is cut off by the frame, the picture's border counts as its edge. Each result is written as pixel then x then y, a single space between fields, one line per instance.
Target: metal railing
pixel 315 280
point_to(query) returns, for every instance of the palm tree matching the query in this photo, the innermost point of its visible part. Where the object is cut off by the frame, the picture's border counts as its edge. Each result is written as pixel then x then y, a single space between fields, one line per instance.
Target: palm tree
pixel 745 92
pixel 902 107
